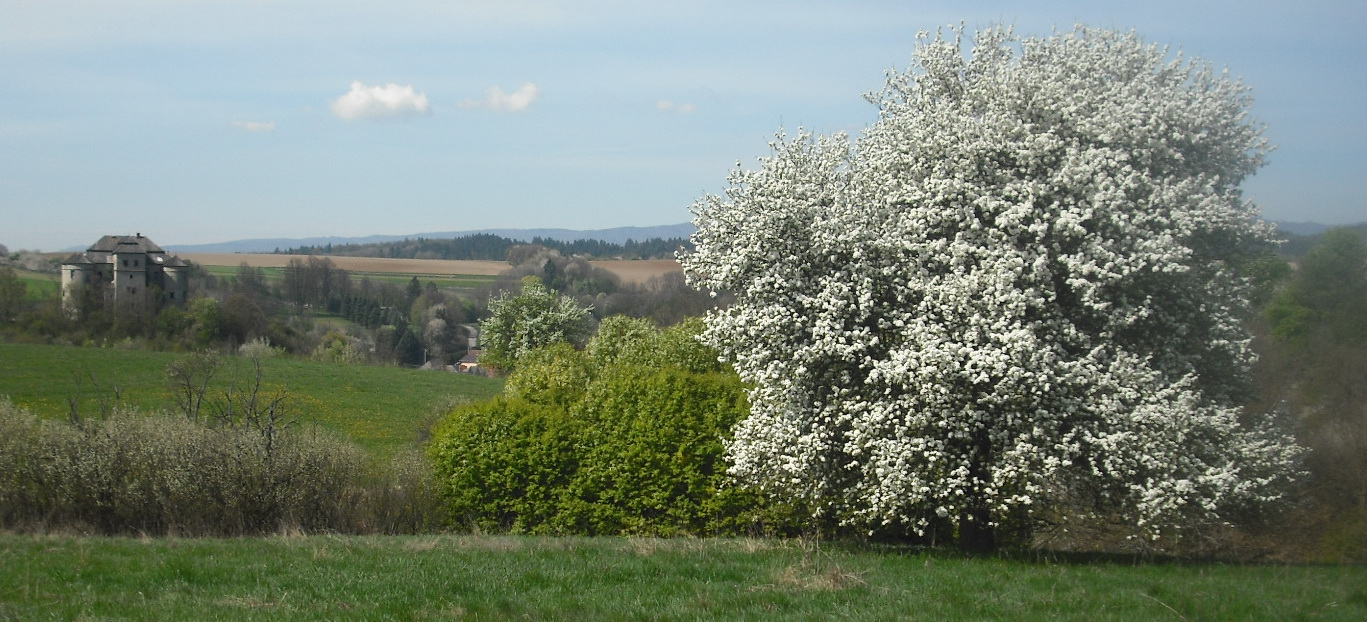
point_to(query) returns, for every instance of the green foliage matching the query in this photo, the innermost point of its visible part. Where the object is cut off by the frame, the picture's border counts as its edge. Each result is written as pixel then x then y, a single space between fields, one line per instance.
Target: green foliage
pixel 207 321
pixel 651 459
pixel 13 293
pixel 679 346
pixel 617 335
pixel 555 375
pixel 1326 302
pixel 336 347
pixel 1291 321
pixel 624 437
pixel 635 342
pixel 520 323
pixel 503 464
pixel 1315 368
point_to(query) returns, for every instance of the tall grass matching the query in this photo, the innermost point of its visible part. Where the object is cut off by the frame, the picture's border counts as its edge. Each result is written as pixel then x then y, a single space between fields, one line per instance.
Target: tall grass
pixel 166 474
pixel 534 578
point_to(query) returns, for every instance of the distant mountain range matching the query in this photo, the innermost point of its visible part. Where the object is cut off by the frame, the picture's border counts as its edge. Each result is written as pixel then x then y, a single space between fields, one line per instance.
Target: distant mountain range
pixel 618 235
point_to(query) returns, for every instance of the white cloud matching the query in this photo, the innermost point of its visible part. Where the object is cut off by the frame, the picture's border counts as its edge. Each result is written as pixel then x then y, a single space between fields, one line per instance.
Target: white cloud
pixel 497 100
pixel 255 126
pixel 665 105
pixel 390 100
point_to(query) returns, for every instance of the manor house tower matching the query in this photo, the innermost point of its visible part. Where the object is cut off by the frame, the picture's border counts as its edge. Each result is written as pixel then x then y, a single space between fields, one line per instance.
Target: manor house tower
pixel 130 268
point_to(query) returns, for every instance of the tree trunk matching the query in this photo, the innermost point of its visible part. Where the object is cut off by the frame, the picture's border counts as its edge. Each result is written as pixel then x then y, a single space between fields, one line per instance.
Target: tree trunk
pixel 976 535
pixel 976 532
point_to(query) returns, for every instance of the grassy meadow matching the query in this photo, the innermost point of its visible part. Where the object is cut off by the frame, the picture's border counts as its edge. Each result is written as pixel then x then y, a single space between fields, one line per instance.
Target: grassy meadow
pixel 448 282
pixel 457 272
pixel 62 576
pixel 381 408
pixel 503 577
pixel 38 285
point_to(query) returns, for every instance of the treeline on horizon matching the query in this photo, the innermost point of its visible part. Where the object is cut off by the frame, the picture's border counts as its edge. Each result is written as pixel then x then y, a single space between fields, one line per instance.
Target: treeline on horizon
pixel 1295 245
pixel 490 247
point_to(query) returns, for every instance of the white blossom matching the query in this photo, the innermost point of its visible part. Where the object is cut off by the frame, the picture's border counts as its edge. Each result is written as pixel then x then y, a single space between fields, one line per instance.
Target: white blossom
pixel 1018 286
pixel 522 322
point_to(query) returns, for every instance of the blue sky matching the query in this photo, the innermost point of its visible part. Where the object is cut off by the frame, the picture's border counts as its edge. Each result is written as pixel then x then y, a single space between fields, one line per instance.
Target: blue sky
pixel 215 120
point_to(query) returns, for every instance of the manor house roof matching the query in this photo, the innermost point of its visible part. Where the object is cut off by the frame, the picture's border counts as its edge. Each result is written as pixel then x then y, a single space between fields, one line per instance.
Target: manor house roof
pixel 101 251
pixel 125 244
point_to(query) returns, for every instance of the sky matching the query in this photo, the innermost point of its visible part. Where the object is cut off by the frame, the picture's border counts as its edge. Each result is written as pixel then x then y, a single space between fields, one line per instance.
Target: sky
pixel 203 121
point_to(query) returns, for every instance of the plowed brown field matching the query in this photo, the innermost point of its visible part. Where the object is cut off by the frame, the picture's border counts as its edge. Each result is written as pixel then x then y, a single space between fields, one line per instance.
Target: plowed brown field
pixel 628 270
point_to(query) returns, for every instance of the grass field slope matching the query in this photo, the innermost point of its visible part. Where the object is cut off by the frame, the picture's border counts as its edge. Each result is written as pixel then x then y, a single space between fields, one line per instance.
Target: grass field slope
pixel 630 271
pixel 381 408
pixel 37 285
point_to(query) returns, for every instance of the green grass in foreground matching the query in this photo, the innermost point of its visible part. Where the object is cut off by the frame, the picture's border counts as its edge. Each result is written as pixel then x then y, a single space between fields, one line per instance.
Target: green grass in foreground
pixel 480 577
pixel 381 408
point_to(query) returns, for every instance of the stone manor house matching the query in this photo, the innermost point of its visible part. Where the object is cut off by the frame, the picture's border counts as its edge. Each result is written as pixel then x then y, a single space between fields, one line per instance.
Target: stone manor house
pixel 130 268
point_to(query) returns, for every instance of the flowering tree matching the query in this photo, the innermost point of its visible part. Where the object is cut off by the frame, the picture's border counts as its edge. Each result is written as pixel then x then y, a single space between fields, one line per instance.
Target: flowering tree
pixel 520 323
pixel 1018 292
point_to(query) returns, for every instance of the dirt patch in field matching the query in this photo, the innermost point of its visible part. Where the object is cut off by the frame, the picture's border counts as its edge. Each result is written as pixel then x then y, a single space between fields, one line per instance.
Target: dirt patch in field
pixel 639 270
pixel 630 271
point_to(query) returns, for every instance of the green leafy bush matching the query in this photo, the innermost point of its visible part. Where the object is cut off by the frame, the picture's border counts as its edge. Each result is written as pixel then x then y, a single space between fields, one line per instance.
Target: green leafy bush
pixel 504 464
pixel 623 437
pixel 552 375
pixel 652 462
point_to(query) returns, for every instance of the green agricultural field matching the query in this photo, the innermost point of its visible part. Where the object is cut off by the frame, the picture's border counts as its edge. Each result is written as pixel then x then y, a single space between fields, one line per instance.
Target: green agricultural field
pixel 271 273
pixel 503 578
pixel 39 286
pixel 447 282
pixel 381 408
pixel 442 281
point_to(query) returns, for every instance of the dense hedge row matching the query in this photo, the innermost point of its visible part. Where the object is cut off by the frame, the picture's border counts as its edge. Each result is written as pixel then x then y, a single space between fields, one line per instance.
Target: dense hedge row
pixel 624 437
pixel 163 474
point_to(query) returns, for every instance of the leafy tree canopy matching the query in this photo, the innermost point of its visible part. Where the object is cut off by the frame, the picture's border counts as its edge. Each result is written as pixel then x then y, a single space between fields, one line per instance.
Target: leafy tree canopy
pixel 520 323
pixel 1326 301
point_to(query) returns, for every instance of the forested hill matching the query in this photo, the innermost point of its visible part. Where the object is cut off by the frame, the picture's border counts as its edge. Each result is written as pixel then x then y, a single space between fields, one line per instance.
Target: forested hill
pixel 485 246
pixel 1298 241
